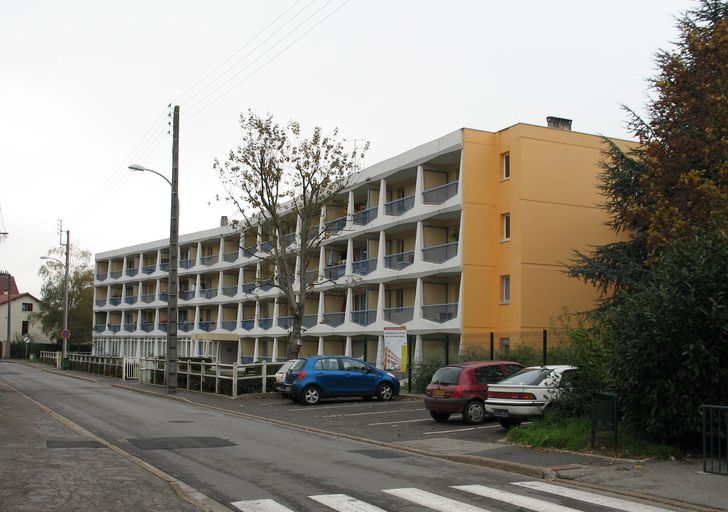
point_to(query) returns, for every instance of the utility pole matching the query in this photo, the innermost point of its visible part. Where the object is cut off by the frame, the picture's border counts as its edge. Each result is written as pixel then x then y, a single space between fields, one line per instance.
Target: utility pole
pixel 65 296
pixel 170 368
pixel 6 351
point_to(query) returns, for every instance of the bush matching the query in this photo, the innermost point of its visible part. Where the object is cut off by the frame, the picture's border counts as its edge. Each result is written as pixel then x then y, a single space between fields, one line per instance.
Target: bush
pixel 422 374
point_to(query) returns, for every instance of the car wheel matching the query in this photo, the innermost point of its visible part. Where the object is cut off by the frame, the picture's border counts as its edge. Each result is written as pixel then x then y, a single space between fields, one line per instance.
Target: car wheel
pixel 439 416
pixel 474 412
pixel 311 395
pixel 509 424
pixel 385 391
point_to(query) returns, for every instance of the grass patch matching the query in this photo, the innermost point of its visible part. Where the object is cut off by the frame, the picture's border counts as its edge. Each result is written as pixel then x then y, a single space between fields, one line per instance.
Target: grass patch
pixel 575 434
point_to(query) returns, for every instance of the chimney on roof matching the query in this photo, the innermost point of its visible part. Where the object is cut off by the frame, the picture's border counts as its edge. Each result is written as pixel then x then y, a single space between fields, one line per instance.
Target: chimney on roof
pixel 559 123
pixel 223 221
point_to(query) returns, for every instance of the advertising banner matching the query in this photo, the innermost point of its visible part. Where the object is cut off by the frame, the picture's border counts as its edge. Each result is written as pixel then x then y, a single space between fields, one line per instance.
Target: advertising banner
pixel 395 349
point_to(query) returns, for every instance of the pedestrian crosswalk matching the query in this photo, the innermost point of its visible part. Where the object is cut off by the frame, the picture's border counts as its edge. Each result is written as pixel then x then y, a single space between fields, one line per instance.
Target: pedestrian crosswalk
pixel 519 496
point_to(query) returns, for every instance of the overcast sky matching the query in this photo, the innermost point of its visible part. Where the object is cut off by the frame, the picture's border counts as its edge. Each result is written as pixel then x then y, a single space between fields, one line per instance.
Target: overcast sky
pixel 84 89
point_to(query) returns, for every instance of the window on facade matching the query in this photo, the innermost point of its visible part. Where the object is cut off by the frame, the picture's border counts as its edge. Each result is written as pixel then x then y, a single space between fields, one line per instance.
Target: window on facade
pixel 506 223
pixel 505 346
pixel 506 166
pixel 27 306
pixel 24 328
pixel 505 289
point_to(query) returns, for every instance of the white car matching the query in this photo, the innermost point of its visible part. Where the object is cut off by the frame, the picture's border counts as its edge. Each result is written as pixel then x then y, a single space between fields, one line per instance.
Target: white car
pixel 525 394
pixel 280 375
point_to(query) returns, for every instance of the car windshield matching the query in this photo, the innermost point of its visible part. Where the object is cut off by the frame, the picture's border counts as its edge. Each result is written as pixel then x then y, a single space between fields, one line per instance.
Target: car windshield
pixel 528 377
pixel 447 375
pixel 298 364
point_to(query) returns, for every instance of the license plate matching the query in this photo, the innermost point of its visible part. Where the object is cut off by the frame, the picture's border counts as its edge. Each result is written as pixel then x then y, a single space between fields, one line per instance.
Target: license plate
pixel 438 392
pixel 500 413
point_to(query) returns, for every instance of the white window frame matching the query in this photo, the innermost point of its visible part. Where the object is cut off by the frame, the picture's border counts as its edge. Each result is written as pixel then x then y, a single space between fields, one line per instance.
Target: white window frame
pixel 505 289
pixel 505 227
pixel 505 166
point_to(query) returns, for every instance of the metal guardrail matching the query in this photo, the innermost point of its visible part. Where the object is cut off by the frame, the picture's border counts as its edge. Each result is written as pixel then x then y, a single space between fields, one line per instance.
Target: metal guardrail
pixel 715 439
pixel 207 376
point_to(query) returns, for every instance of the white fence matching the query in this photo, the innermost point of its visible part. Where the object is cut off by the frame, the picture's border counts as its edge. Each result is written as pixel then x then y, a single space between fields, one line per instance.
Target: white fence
pixel 211 377
pixel 121 367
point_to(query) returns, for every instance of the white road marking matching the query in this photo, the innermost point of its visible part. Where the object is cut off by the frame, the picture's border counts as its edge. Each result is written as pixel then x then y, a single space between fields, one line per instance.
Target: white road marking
pixel 397 422
pixel 371 412
pixel 589 497
pixel 348 406
pixel 459 430
pixel 433 501
pixel 345 503
pixel 514 499
pixel 260 506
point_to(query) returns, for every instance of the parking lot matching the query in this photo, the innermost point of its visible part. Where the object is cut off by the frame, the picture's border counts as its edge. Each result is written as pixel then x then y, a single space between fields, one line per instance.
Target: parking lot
pixel 402 419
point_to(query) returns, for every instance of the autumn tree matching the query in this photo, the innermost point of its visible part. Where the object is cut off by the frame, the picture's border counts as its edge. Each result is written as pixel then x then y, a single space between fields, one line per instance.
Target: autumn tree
pixel 664 289
pixel 80 295
pixel 281 183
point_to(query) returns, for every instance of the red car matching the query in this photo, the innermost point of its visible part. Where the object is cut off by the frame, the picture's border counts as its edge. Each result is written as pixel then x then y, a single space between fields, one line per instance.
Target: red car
pixel 462 388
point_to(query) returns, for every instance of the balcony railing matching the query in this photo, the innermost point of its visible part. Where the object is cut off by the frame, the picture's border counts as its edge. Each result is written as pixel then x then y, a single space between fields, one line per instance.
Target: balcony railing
pixel 147 298
pixel 333 319
pixel 266 247
pixel 209 260
pixel 334 272
pixel 115 274
pixel 186 294
pixel 247 287
pixel 164 267
pixel 265 323
pixel 149 269
pixel 208 293
pixel 114 327
pixel 364 217
pixel 250 250
pixel 207 326
pixel 440 253
pixel 247 325
pixel 185 326
pixel 439 312
pixel 230 257
pixel 228 325
pixel 311 276
pixel 266 285
pixel 100 302
pixel 399 315
pixel 132 271
pixel 438 195
pixel 130 300
pixel 399 260
pixel 285 322
pixel 399 206
pixel 130 327
pixel 186 263
pixel 164 296
pixel 309 321
pixel 364 267
pixel 163 327
pixel 364 317
pixel 101 276
pixel 230 291
pixel 147 326
pixel 336 225
pixel 115 301
pixel 289 239
pixel 99 328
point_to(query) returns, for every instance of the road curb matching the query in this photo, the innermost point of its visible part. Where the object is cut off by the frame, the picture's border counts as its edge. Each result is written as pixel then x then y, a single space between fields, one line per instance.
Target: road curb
pixel 185 491
pixel 475 460
pixel 69 375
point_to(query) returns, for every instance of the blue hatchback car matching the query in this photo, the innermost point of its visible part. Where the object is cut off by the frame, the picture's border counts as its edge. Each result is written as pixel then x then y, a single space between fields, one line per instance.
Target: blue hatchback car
pixel 312 378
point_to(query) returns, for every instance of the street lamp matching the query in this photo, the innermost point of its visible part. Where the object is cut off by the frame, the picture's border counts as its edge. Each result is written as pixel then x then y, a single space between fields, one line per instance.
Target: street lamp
pixel 170 366
pixel 64 349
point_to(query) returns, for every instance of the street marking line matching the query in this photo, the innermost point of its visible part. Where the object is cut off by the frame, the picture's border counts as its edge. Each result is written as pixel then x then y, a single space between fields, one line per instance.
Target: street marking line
pixel 260 506
pixel 589 497
pixel 397 422
pixel 433 501
pixel 514 499
pixel 459 430
pixel 345 503
pixel 367 413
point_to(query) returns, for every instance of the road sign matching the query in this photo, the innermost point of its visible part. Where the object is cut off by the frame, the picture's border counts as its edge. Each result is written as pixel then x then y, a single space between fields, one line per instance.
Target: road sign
pixel 65 334
pixel 26 339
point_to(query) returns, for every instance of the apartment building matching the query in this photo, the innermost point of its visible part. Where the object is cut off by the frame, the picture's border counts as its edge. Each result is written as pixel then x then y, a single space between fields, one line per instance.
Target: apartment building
pixel 458 238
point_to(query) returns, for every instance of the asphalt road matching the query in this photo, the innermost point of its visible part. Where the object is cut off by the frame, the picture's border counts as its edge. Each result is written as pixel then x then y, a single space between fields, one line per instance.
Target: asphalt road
pixel 254 465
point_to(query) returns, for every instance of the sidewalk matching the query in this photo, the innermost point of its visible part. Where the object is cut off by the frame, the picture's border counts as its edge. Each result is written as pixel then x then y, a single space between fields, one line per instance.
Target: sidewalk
pixel 677 483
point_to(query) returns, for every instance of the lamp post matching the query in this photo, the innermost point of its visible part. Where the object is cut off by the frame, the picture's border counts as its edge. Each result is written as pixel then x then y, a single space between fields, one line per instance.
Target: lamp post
pixel 64 349
pixel 170 366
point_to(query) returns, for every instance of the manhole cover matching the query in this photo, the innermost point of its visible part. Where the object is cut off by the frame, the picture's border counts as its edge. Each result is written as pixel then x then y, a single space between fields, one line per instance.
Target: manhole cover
pixel 178 443
pixel 73 444
pixel 379 454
